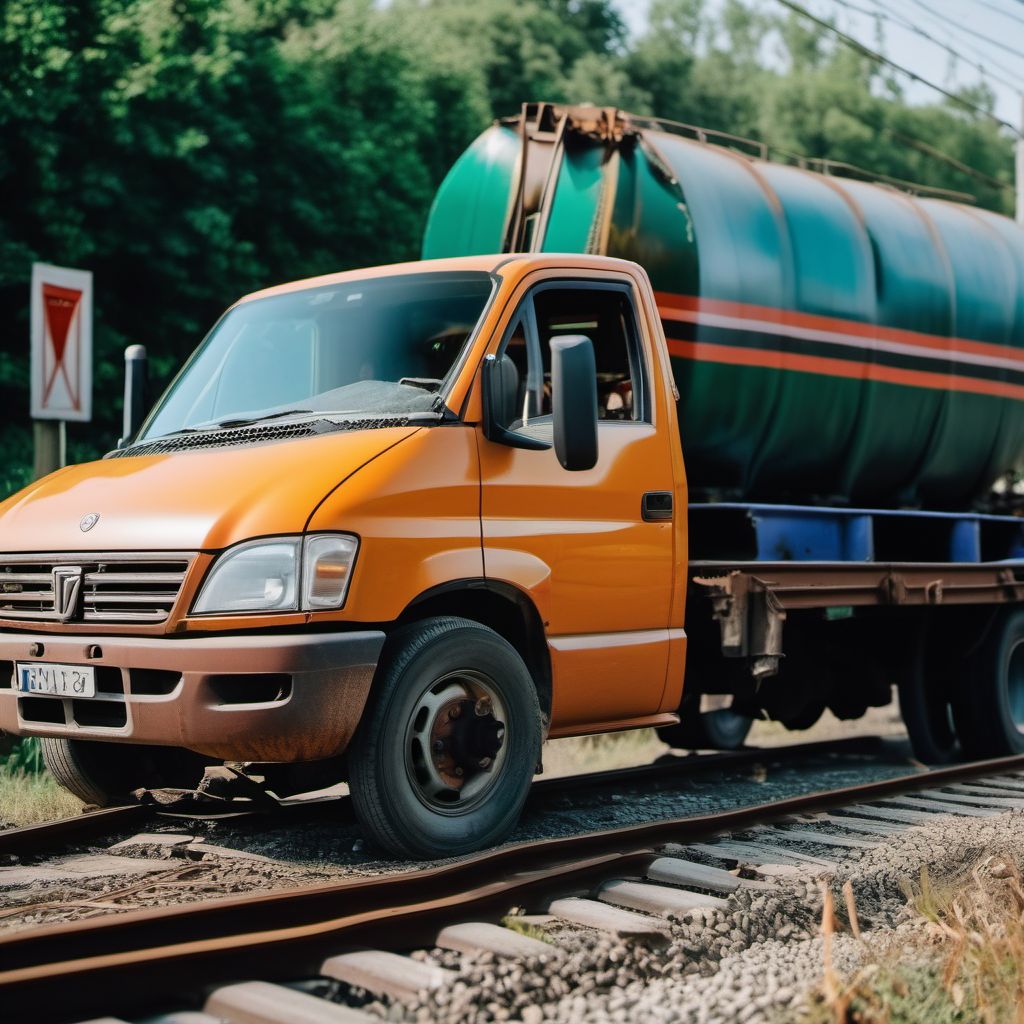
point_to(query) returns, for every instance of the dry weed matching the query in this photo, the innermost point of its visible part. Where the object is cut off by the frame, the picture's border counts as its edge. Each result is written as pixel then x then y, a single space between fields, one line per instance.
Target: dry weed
pixel 27 798
pixel 959 959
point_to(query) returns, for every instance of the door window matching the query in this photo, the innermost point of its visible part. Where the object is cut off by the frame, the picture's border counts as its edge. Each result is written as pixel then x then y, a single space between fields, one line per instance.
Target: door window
pixel 604 315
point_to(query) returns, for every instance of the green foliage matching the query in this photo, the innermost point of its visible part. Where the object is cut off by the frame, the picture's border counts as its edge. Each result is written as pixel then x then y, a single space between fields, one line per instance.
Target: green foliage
pixel 189 151
pixel 24 758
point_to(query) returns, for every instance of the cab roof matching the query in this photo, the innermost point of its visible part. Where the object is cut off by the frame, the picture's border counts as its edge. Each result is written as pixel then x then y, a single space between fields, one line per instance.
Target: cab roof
pixel 490 264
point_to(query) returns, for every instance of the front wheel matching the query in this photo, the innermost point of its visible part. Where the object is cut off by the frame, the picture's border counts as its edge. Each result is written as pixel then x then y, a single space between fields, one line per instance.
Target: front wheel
pixel 443 758
pixel 105 774
pixel 721 729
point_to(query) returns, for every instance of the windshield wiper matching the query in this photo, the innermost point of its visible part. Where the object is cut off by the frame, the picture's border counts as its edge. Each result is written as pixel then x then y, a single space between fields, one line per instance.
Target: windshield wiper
pixel 245 421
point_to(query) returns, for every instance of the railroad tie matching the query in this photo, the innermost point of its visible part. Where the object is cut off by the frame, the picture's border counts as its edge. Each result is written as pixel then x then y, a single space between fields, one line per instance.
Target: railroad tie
pixel 887 812
pixel 937 806
pixel 760 853
pixel 626 924
pixel 1014 780
pixel 866 826
pixel 773 850
pixel 798 835
pixel 677 871
pixel 260 1002
pixel 386 974
pixel 474 937
pixel 657 899
pixel 991 791
pixel 184 1017
pixel 982 800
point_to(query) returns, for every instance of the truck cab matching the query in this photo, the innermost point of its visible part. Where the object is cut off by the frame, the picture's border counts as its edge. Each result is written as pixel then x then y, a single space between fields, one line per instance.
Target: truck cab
pixel 394 526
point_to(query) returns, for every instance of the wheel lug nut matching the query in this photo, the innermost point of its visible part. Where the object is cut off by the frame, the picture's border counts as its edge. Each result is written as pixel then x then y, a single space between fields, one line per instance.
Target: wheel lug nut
pixel 482 707
pixel 484 762
pixel 458 771
pixel 455 711
pixel 438 746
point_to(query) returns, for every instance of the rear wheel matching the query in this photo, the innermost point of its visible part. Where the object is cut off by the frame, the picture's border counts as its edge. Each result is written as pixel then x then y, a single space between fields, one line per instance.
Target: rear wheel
pixel 926 689
pixel 443 758
pixel 989 709
pixel 107 773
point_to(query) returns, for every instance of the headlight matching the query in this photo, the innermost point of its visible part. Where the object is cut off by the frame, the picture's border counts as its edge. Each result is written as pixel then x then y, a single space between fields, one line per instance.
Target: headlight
pixel 281 575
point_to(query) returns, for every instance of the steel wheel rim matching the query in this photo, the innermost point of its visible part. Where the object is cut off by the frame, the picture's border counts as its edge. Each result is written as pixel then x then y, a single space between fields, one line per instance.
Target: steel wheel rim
pixel 429 771
pixel 1015 685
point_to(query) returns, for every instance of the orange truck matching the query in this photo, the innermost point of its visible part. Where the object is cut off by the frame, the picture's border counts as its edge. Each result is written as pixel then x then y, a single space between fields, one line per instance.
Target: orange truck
pixel 398 526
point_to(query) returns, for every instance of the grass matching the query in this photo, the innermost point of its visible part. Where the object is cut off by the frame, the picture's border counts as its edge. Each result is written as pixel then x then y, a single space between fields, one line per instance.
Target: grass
pixel 28 793
pixel 515 923
pixel 578 754
pixel 963 963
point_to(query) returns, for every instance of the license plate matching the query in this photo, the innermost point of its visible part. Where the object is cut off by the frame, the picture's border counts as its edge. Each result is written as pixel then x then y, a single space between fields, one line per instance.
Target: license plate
pixel 57 680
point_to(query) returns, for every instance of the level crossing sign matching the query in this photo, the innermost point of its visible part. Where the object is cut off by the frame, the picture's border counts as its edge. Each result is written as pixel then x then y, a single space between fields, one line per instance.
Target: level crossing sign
pixel 61 326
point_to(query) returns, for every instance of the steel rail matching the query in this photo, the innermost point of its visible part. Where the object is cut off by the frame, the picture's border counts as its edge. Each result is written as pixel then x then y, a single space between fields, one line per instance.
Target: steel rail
pixel 145 960
pixel 27 840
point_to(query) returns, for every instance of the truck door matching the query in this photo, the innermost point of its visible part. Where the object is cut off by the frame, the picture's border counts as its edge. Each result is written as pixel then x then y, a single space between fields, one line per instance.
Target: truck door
pixel 594 548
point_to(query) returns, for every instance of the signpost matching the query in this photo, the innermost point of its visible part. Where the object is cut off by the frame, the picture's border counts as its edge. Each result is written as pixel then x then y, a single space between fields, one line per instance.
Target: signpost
pixel 61 375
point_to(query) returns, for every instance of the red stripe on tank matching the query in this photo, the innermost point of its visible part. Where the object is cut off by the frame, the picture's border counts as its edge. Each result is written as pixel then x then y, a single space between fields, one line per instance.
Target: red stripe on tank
pixel 770 320
pixel 777 360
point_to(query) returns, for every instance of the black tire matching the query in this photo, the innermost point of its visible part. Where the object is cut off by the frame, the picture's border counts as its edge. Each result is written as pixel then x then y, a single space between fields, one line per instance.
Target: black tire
pixel 926 688
pixel 106 774
pixel 390 782
pixel 723 729
pixel 989 709
pixel 807 717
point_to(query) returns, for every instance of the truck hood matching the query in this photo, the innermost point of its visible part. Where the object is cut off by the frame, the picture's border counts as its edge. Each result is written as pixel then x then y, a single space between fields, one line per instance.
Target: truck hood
pixel 187 501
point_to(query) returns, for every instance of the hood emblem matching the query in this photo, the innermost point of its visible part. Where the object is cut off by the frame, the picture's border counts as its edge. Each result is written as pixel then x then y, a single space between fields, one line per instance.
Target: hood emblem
pixel 87 522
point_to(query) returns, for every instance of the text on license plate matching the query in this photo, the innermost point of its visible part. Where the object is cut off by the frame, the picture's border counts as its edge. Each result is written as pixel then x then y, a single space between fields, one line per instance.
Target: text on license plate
pixel 57 680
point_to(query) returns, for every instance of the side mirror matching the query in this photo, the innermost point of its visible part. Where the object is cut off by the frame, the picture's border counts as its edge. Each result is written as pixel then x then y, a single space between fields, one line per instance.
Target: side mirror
pixel 500 386
pixel 136 375
pixel 574 401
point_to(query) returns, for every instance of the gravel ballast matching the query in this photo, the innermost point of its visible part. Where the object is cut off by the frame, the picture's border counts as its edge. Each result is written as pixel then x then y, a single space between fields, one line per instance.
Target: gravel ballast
pixel 763 960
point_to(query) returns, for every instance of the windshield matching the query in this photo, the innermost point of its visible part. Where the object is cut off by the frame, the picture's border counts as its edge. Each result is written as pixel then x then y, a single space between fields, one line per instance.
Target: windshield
pixel 379 347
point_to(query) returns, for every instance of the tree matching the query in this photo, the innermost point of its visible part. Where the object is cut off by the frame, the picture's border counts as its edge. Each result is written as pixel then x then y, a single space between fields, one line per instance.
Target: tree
pixel 189 151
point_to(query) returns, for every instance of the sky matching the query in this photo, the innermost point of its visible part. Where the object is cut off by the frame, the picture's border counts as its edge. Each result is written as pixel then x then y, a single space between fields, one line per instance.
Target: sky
pixel 949 21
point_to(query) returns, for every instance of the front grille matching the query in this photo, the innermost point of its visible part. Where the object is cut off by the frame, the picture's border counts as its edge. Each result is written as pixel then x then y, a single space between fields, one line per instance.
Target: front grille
pixel 91 588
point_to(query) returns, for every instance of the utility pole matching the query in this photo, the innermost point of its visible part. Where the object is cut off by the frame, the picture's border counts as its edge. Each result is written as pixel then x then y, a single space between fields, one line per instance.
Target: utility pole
pixel 1020 166
pixel 50 440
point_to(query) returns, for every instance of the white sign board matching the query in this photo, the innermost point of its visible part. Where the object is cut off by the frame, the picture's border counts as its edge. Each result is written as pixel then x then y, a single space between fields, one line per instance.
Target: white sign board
pixel 61 343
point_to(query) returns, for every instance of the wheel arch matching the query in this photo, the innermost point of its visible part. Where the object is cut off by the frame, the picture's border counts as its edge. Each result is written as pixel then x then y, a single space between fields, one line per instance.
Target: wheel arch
pixel 502 607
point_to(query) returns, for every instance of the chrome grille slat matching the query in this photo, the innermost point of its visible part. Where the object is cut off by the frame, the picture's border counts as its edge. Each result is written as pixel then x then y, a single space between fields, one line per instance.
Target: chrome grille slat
pixel 125 616
pixel 173 578
pixel 116 587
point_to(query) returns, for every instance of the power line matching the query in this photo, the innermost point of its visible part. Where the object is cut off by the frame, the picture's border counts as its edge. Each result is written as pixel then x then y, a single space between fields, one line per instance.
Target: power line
pixel 988 60
pixel 951 161
pixel 970 31
pixel 1000 10
pixel 879 58
pixel 887 15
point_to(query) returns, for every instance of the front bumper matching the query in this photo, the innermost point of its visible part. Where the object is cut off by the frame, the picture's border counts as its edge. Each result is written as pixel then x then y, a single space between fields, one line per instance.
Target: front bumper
pixel 235 698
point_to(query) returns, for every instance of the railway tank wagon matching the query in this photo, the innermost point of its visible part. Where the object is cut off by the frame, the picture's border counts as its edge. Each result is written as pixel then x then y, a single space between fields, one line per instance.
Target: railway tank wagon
pixel 833 341
pixel 849 359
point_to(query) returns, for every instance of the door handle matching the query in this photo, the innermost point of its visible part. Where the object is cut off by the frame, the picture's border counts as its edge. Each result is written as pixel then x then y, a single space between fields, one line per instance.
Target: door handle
pixel 656 506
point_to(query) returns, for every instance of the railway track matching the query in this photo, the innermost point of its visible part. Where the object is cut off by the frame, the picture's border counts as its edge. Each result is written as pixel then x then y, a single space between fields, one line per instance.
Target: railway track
pixel 238 959
pixel 46 837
